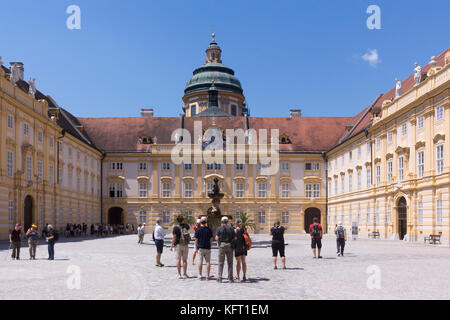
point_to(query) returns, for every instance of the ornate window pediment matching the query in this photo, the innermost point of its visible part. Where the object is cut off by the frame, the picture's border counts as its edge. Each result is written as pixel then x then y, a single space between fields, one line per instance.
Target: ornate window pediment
pixel 438 137
pixel 376 160
pixel 145 140
pixel 389 156
pixel 420 144
pixel 284 139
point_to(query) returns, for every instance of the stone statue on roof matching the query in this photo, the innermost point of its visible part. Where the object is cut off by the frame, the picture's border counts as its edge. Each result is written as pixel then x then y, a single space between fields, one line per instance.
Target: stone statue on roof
pixel 398 88
pixel 2 72
pixel 32 87
pixel 417 73
pixel 14 77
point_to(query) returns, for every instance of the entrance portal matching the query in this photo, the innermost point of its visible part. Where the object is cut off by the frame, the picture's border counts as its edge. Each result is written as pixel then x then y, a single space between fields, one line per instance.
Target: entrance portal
pixel 28 213
pixel 310 214
pixel 115 215
pixel 402 218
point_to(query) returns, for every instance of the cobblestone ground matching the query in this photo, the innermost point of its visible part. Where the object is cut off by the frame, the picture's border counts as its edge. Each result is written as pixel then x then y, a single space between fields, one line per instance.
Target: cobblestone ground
pixel 119 268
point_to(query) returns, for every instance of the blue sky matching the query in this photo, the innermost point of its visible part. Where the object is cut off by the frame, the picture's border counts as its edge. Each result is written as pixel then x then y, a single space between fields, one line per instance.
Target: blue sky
pixel 287 54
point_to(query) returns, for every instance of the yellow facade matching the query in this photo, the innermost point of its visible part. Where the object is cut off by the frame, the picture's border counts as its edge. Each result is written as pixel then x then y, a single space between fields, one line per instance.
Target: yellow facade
pixel 412 133
pixel 29 162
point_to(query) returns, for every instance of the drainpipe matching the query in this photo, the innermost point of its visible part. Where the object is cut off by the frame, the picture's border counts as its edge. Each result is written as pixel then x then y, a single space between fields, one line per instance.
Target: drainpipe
pixel 63 133
pixel 326 191
pixel 366 132
pixel 101 187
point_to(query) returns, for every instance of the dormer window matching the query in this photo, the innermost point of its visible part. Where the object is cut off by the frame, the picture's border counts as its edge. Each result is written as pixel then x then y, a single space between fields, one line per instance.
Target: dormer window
pixel 145 140
pixel 284 139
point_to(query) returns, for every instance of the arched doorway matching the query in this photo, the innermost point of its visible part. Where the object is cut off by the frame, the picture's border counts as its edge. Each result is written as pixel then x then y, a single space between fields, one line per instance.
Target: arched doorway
pixel 310 214
pixel 28 213
pixel 402 218
pixel 115 215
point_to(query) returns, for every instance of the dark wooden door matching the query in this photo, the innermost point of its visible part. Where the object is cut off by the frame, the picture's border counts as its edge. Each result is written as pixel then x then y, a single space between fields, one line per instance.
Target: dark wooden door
pixel 402 218
pixel 28 213
pixel 310 214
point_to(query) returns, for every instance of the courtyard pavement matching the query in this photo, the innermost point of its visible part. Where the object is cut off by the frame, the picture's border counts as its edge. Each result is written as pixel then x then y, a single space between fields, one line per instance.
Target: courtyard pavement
pixel 119 268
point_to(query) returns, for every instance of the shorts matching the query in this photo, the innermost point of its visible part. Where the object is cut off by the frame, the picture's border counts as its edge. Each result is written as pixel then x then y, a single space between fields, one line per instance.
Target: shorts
pixel 241 251
pixel 316 242
pixel 205 254
pixel 159 245
pixel 181 251
pixel 277 246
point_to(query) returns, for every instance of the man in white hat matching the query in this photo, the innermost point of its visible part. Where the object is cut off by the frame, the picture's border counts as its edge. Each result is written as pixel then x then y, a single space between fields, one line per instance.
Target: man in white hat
pixel 341 237
pixel 225 236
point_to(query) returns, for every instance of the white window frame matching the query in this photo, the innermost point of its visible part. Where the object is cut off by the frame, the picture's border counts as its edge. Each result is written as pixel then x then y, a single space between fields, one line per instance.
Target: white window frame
pixel 378 175
pixel 166 189
pixel 262 189
pixel 239 189
pixel 420 122
pixel 285 190
pixel 143 186
pixel 285 217
pixel 439 113
pixel 420 212
pixel 439 211
pixel 10 121
pixel 439 159
pixel 401 169
pixel 359 180
pixel 261 217
pixel 10 210
pixel 166 166
pixel 29 167
pixel 389 172
pixel 142 165
pixel 10 163
pixel 420 163
pixel 188 189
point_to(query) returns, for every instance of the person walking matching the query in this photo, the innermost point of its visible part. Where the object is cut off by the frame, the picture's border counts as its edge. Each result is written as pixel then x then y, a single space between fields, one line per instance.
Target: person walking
pixel 158 236
pixel 337 243
pixel 197 225
pixel 277 233
pixel 225 236
pixel 51 238
pixel 203 243
pixel 141 233
pixel 341 237
pixel 33 238
pixel 180 240
pixel 15 238
pixel 315 230
pixel 240 251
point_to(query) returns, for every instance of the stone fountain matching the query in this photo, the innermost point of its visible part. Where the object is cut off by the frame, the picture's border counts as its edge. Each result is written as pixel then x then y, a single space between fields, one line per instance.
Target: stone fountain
pixel 213 213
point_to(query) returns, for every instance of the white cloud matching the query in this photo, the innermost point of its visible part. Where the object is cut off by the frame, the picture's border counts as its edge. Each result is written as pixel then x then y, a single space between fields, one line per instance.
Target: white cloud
pixel 372 57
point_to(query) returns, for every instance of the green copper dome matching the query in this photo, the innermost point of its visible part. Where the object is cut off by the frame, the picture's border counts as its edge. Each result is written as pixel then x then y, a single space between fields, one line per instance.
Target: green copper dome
pixel 223 77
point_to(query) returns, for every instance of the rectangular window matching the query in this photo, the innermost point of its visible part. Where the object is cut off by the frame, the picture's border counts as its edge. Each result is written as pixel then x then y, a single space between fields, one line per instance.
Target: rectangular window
pixel 261 217
pixel 29 168
pixel 119 191
pixel 440 159
pixel 233 110
pixel 401 172
pixel 389 172
pixel 10 121
pixel 284 166
pixel 142 216
pixel 335 186
pixel 217 166
pixel 420 164
pixel 239 166
pixel 166 217
pixel 285 217
pixel 312 190
pixel 378 142
pixel 285 190
pixel 359 151
pixel 261 190
pixel 439 113
pixel 350 155
pixel 70 151
pixel 420 212
pixel 188 166
pixel 239 190
pixel 369 147
pixel 369 177
pixel 166 165
pixel 112 190
pixel 70 176
pixel 143 166
pixel 143 189
pixel 389 214
pixel 209 166
pixel 60 175
pixel 193 109
pixel 78 183
pixel 26 129
pixel 51 142
pixel 10 163
pixel 51 174
pixel 404 129
pixel 316 190
pixel 439 211
pixel 378 175
pixel 10 210
pixel 420 122
pixel 188 190
pixel 209 187
pixel 39 168
pixel 350 182
pixel 78 155
pixel 368 214
pixel 389 136
pixel 359 180
pixel 166 190
pixel 342 184
pixel 40 136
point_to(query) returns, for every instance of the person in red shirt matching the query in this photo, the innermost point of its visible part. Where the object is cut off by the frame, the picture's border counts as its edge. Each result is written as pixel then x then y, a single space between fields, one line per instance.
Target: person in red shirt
pixel 315 230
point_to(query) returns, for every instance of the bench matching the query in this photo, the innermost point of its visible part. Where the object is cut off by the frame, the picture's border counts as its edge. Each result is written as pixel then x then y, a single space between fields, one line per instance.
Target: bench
pixel 433 238
pixel 374 234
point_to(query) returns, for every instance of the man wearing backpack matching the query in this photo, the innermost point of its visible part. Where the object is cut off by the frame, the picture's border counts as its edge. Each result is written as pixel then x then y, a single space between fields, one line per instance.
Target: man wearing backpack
pixel 315 230
pixel 341 237
pixel 225 235
pixel 180 240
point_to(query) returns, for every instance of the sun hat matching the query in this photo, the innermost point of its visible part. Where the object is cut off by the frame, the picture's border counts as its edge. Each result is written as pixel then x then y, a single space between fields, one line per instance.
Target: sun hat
pixel 224 219
pixel 199 220
pixel 34 226
pixel 340 223
pixel 203 219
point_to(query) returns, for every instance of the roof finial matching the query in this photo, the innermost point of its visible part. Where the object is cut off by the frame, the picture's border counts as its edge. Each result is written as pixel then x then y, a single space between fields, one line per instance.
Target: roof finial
pixel 213 34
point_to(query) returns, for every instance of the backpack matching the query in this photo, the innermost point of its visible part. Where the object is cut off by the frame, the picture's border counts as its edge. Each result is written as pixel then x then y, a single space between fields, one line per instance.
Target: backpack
pixel 185 237
pixel 340 232
pixel 247 239
pixel 55 235
pixel 315 230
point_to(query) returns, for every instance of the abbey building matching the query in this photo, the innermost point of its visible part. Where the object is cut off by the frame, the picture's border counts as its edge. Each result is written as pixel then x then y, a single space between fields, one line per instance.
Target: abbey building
pixel 386 169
